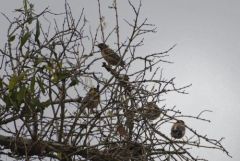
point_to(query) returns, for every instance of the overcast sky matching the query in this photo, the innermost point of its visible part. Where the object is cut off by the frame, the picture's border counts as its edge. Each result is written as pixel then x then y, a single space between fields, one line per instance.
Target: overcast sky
pixel 207 55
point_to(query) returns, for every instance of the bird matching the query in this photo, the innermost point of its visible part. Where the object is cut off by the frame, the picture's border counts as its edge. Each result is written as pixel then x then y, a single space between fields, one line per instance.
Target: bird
pixel 92 99
pixel 110 56
pixel 124 82
pixel 178 129
pixel 151 111
pixel 136 150
pixel 121 130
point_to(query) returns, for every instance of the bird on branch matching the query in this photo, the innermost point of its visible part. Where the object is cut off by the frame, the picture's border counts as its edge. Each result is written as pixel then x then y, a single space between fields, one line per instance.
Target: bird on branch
pixel 110 56
pixel 151 111
pixel 178 129
pixel 92 99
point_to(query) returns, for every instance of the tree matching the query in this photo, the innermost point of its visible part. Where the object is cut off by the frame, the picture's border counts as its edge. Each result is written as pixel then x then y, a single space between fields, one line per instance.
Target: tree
pixel 51 109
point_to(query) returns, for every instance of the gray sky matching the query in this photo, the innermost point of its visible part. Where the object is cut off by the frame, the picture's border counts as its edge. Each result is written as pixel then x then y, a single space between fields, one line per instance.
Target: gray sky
pixel 208 46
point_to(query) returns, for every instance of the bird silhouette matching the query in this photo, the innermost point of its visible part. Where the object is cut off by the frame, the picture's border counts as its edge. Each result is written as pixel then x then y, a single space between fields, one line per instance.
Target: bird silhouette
pixel 92 99
pixel 178 129
pixel 110 56
pixel 151 111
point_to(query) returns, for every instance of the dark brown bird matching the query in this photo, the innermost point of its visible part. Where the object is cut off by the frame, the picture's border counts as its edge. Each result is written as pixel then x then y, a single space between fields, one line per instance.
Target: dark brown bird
pixel 123 80
pixel 151 111
pixel 92 99
pixel 178 129
pixel 110 56
pixel 121 130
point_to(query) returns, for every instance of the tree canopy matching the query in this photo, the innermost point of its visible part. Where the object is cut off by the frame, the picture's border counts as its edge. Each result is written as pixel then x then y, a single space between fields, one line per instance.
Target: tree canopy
pixel 61 98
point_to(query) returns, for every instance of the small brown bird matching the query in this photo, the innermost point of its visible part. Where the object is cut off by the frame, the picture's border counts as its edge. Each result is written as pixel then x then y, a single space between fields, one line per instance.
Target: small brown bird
pixel 151 111
pixel 178 129
pixel 92 99
pixel 110 56
pixel 121 130
pixel 123 80
pixel 137 151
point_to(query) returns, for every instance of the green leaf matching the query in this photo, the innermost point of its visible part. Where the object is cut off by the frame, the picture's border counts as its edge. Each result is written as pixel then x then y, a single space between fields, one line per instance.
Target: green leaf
pixel 63 75
pixel 30 19
pixel 42 105
pixel 38 61
pixel 1 83
pixel 37 32
pixel 11 38
pixel 21 94
pixel 74 81
pixel 35 103
pixel 32 85
pixel 40 83
pixel 15 79
pixel 25 6
pixel 12 82
pixel 24 39
pixel 13 100
pixel 7 101
pixel 55 78
pixel 45 104
pixel 19 10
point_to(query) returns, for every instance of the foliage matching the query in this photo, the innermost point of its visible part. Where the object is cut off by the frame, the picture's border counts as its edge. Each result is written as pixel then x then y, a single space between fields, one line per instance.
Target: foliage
pixel 46 72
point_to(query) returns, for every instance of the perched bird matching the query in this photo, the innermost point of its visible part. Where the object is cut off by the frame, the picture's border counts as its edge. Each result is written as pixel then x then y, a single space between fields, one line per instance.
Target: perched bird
pixel 178 129
pixel 92 99
pixel 151 111
pixel 121 130
pixel 129 123
pixel 110 56
pixel 137 151
pixel 123 79
pixel 124 82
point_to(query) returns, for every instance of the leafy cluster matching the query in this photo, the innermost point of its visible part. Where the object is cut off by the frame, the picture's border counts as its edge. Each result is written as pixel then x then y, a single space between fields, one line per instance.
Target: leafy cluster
pixel 47 71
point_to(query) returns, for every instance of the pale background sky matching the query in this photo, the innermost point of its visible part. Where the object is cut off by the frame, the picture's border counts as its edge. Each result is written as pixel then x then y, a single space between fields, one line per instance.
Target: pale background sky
pixel 207 33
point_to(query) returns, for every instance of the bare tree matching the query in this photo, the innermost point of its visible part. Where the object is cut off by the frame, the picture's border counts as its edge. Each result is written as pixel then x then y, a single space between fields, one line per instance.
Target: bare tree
pixel 62 100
